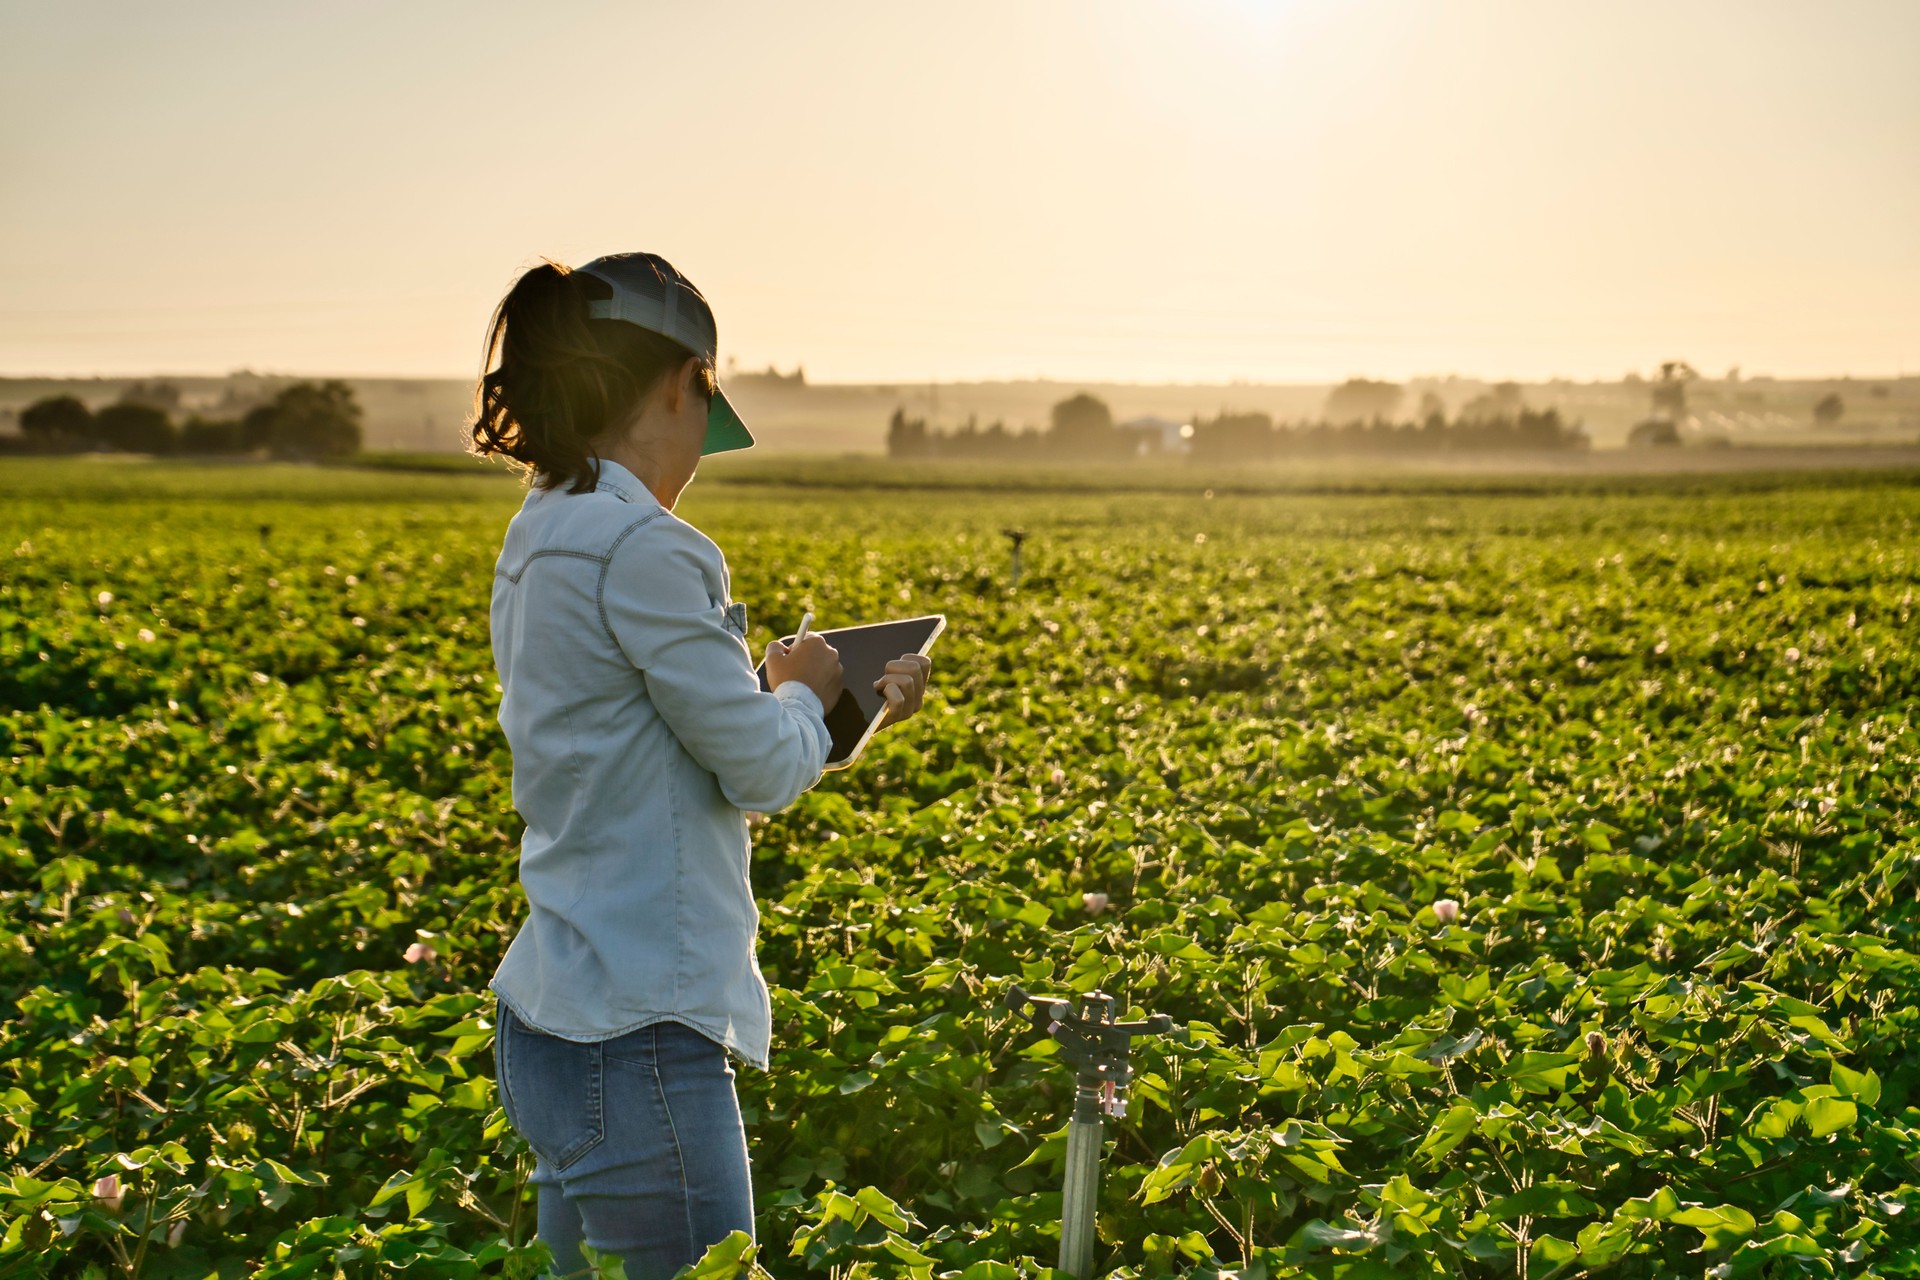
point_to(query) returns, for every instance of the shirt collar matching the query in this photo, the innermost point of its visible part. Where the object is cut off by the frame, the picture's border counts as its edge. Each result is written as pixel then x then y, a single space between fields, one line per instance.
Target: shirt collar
pixel 622 483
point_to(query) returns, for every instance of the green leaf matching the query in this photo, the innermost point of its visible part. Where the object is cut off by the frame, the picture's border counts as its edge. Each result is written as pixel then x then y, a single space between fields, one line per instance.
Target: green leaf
pixel 1658 1207
pixel 1538 1072
pixel 1551 1251
pixel 1723 1226
pixel 605 1266
pixel 1448 1132
pixel 904 1252
pixel 1541 1200
pixel 1601 1244
pixel 22 1193
pixel 1829 1115
pixel 274 1170
pixel 725 1260
pixel 989 1269
pixel 1859 1086
pixel 875 1202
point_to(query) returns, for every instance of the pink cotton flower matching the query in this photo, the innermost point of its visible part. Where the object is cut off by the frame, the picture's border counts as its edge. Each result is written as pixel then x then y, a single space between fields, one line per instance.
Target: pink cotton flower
pixel 1446 910
pixel 421 952
pixel 108 1192
pixel 1059 777
pixel 1095 903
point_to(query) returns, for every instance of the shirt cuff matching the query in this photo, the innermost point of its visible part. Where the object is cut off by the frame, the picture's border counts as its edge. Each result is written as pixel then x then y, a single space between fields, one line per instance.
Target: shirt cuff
pixel 795 691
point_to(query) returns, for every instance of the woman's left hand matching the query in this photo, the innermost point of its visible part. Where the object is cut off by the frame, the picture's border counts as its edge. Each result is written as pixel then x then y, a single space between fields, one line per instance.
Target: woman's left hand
pixel 904 685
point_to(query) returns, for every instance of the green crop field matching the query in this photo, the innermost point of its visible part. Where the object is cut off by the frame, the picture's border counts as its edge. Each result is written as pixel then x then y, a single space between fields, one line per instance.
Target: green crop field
pixel 1220 755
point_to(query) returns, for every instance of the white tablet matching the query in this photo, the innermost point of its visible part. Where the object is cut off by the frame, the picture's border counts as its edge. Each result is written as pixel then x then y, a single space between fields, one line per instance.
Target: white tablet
pixel 864 655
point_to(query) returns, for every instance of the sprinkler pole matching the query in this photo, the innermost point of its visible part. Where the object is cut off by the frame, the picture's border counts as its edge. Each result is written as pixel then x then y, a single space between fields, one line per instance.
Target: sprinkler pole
pixel 1086 1135
pixel 1015 536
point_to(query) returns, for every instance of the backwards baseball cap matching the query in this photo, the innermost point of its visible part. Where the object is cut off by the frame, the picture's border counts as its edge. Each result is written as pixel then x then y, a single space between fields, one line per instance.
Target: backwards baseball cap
pixel 648 292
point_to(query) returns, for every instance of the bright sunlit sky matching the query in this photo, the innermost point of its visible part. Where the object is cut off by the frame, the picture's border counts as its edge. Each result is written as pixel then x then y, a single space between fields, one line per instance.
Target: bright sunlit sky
pixel 1193 190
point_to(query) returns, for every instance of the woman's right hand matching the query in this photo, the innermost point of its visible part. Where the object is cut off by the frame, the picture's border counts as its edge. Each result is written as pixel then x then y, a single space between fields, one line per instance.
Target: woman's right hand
pixel 813 662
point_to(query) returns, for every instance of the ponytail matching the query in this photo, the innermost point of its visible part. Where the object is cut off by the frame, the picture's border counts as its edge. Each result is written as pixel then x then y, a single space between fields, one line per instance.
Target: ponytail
pixel 553 380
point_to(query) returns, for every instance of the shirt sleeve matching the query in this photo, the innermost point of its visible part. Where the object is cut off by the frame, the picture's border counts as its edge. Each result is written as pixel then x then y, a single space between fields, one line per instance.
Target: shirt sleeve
pixel 764 748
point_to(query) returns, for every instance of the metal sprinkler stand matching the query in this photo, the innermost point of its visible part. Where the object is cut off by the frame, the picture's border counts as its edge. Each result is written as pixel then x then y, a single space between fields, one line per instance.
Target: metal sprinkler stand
pixel 1100 1051
pixel 1016 536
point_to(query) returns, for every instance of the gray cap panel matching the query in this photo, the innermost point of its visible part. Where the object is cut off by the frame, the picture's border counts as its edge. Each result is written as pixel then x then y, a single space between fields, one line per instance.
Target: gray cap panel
pixel 648 292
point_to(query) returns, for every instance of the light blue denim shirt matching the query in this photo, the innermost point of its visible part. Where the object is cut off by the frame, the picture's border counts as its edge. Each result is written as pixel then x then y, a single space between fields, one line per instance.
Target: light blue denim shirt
pixel 639 734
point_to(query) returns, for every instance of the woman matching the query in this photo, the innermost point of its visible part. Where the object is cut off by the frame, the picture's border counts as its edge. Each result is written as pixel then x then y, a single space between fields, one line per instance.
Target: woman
pixel 639 735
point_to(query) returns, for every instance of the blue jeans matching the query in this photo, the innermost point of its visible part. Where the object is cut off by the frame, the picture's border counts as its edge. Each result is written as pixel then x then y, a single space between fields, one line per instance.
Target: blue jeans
pixel 639 1150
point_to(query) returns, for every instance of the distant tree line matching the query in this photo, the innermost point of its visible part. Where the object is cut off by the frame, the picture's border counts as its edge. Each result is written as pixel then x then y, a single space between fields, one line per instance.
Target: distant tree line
pixel 1247 437
pixel 912 438
pixel 1080 427
pixel 306 420
pixel 1359 421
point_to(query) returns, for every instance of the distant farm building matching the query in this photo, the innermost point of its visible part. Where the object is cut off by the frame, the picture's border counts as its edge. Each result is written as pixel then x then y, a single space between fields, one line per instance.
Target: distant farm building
pixel 1159 435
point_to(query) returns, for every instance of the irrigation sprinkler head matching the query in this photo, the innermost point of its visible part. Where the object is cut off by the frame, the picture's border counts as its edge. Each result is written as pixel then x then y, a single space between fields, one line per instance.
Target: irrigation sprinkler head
pixel 1099 1049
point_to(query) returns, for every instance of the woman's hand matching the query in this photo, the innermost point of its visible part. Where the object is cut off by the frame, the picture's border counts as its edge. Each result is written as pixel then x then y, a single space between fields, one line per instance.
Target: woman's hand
pixel 904 685
pixel 813 662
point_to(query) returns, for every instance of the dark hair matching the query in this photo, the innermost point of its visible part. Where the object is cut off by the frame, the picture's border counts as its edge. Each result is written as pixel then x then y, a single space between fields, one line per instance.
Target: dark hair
pixel 553 379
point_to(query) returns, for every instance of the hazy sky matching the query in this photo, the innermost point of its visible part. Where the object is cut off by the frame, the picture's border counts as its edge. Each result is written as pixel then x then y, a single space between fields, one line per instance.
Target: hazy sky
pixel 1190 190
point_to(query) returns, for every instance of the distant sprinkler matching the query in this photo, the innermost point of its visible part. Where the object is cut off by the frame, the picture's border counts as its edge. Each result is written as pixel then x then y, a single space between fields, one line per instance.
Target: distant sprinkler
pixel 1016 536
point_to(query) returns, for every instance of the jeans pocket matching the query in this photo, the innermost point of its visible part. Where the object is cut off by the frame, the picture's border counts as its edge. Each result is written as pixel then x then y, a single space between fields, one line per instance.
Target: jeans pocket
pixel 552 1091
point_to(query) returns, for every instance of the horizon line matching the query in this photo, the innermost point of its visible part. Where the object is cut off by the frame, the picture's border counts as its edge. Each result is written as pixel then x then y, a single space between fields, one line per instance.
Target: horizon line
pixel 810 383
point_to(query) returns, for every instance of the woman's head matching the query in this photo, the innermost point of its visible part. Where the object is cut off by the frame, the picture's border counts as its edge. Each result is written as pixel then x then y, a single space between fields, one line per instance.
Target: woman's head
pixel 569 365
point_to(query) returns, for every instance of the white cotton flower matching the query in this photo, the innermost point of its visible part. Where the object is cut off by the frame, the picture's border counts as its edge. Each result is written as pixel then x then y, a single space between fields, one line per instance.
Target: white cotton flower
pixel 1446 910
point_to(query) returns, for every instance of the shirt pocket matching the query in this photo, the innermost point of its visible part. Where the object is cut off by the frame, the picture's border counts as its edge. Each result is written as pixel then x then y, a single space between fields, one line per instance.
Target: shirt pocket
pixel 736 620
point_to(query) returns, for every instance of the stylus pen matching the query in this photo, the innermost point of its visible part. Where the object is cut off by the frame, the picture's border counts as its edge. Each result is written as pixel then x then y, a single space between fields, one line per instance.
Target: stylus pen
pixel 806 620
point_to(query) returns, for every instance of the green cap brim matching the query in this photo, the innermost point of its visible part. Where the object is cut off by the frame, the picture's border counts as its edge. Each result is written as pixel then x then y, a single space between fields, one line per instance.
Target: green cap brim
pixel 724 429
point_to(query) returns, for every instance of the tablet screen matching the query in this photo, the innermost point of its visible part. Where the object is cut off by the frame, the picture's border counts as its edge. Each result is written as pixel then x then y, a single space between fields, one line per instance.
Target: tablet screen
pixel 864 655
